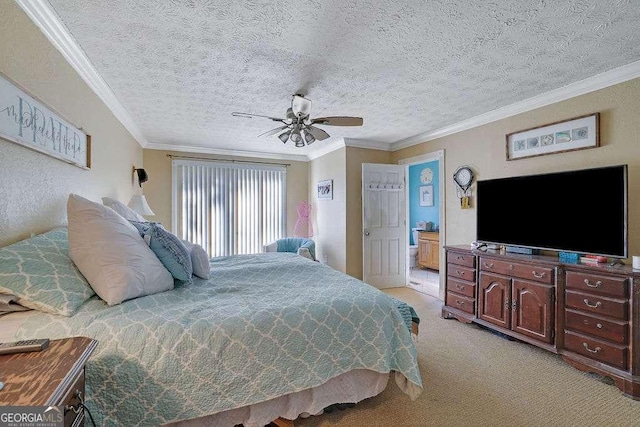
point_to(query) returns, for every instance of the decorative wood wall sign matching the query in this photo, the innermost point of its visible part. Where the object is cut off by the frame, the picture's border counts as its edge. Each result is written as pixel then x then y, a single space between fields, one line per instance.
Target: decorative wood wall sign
pixel 30 123
pixel 574 134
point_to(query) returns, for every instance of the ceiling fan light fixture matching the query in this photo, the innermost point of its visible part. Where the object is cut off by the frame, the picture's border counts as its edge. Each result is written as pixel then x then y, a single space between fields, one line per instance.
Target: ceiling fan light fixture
pixel 284 136
pixel 298 126
pixel 300 106
pixel 309 139
pixel 296 137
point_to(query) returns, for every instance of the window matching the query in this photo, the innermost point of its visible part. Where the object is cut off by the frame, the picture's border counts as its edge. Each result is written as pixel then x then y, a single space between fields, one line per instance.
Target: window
pixel 228 208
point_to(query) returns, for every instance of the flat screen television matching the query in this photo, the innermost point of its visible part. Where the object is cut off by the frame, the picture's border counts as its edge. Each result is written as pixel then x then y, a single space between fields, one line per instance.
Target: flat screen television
pixel 583 211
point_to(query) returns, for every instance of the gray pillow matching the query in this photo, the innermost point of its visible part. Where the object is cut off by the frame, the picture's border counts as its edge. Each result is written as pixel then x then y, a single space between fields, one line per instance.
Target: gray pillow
pixel 200 260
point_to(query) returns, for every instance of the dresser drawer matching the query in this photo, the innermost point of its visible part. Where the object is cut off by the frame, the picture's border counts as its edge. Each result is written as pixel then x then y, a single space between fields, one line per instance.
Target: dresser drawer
pixel 616 287
pixel 610 330
pixel 458 258
pixel 524 271
pixel 592 348
pixel 596 304
pixel 461 287
pixel 459 272
pixel 461 303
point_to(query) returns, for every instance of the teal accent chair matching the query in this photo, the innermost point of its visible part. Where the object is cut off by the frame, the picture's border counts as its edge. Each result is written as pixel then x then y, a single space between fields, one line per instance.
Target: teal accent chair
pixel 297 245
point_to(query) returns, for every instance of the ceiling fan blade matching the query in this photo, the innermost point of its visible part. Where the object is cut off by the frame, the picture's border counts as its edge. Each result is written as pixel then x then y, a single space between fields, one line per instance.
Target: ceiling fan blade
pixel 338 121
pixel 317 133
pixel 251 116
pixel 273 131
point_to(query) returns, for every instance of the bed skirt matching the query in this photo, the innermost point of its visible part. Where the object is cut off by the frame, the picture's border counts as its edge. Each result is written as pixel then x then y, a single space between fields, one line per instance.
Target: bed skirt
pixel 350 387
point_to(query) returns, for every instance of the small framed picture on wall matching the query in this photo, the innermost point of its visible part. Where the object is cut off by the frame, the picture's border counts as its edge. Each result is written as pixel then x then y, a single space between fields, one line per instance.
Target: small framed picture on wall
pixel 325 189
pixel 426 195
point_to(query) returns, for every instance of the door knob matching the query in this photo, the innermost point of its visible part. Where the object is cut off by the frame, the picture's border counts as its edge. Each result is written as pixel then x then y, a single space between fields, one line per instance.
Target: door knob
pixel 366 232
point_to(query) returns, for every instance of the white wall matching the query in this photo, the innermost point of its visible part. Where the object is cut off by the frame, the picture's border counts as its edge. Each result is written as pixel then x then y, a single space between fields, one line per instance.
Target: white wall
pixel 329 216
pixel 33 186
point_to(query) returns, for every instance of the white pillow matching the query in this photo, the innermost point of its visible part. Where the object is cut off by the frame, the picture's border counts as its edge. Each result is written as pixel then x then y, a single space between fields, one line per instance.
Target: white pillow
pixel 123 210
pixel 111 255
pixel 199 260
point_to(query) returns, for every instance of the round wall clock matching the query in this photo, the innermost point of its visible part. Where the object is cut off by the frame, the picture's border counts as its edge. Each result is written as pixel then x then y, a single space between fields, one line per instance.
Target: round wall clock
pixel 426 176
pixel 463 177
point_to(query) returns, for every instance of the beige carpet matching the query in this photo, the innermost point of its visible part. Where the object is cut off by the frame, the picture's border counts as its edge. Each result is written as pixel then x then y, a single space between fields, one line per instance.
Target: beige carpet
pixel 474 377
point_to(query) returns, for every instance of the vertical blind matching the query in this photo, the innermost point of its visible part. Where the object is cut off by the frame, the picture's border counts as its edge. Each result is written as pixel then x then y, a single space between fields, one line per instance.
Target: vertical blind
pixel 228 208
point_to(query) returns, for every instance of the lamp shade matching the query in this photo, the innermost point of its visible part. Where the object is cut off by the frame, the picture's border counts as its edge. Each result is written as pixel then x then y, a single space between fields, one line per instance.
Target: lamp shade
pixel 139 204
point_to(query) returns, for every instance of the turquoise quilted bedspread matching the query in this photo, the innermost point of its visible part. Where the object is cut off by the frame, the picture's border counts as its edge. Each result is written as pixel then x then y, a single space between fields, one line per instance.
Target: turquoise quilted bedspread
pixel 263 326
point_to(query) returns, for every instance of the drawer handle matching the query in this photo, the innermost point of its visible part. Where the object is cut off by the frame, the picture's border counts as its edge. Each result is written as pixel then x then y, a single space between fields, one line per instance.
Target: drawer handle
pixel 488 265
pixel 460 287
pixel 538 275
pixel 460 273
pixel 591 285
pixel 510 266
pixel 459 302
pixel 459 258
pixel 596 305
pixel 79 407
pixel 598 325
pixel 597 349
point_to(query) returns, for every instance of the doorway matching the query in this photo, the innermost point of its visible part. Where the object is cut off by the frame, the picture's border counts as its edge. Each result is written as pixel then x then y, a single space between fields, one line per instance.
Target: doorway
pixel 425 223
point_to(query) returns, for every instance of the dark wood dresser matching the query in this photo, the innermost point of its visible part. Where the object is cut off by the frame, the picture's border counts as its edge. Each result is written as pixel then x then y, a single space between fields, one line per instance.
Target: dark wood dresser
pixel 51 377
pixel 589 314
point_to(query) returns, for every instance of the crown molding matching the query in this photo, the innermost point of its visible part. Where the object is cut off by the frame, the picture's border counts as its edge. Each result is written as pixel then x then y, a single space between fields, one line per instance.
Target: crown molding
pixel 326 149
pixel 227 152
pixel 590 84
pixel 47 20
pixel 370 145
pixel 349 142
pixel 423 158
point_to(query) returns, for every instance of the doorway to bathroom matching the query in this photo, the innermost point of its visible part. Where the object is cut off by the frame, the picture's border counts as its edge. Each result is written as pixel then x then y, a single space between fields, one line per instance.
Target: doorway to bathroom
pixel 425 222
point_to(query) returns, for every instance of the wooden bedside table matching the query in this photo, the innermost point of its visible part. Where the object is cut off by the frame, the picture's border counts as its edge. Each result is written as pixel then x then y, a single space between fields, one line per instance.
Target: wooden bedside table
pixel 51 377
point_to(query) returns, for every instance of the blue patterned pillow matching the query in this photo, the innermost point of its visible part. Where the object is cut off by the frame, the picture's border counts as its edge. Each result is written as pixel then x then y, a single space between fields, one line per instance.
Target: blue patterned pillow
pixel 39 272
pixel 169 249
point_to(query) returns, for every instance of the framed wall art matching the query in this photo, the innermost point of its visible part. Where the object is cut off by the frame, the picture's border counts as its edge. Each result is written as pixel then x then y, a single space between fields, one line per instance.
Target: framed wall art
pixel 574 134
pixel 325 189
pixel 26 121
pixel 426 195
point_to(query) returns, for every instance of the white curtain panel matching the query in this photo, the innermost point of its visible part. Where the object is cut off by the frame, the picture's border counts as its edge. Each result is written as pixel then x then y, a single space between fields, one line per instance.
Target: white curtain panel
pixel 228 208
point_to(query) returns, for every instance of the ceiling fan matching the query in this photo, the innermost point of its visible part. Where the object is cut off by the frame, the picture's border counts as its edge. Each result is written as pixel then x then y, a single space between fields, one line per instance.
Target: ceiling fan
pixel 299 127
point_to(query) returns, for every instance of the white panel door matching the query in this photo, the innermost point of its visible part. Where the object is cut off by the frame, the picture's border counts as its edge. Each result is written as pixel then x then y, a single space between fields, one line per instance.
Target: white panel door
pixel 384 237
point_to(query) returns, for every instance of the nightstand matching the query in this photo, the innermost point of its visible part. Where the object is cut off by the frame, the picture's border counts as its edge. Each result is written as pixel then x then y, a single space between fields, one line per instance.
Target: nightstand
pixel 51 377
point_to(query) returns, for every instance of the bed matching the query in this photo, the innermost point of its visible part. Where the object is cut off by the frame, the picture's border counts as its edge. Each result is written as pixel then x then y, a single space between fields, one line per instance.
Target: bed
pixel 268 335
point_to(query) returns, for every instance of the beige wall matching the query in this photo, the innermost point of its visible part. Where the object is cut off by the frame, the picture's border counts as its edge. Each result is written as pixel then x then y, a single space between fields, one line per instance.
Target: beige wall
pixel 329 216
pixel 158 189
pixel 34 187
pixel 355 158
pixel 483 148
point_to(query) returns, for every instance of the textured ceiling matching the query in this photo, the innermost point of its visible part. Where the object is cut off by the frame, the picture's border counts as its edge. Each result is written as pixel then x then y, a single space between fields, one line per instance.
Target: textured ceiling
pixel 181 67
